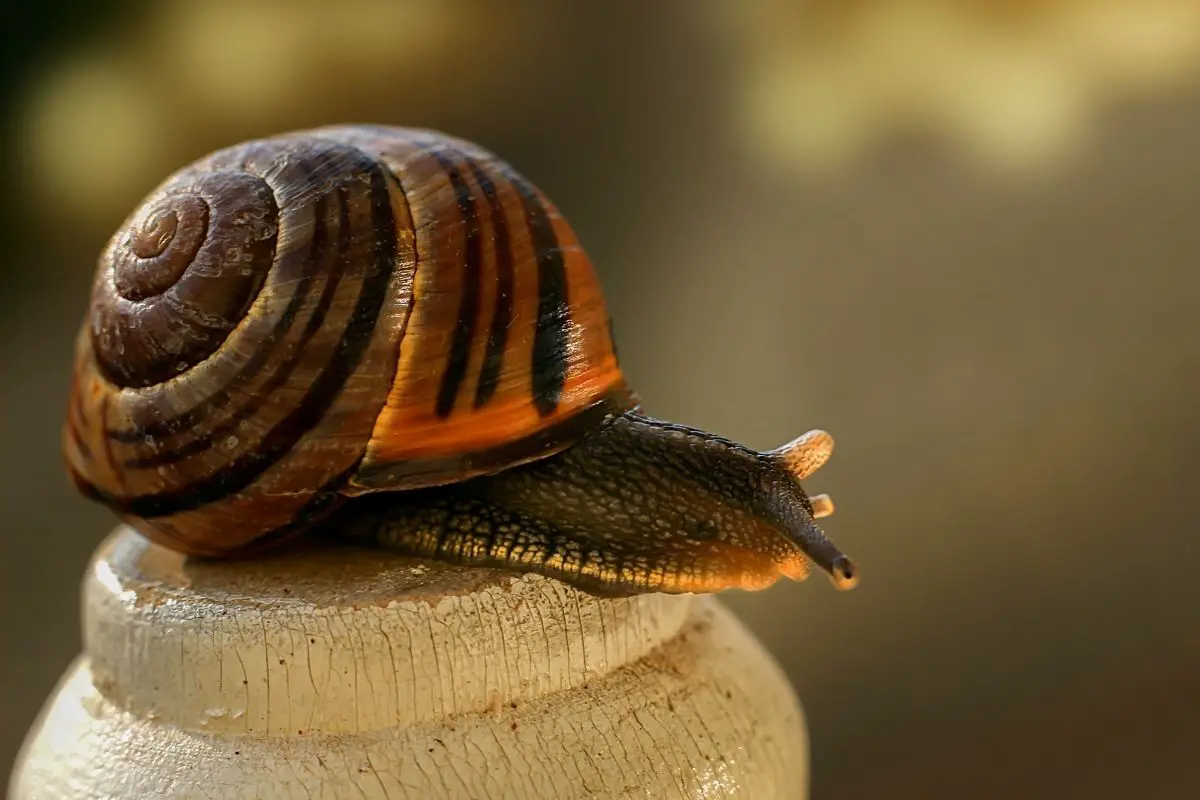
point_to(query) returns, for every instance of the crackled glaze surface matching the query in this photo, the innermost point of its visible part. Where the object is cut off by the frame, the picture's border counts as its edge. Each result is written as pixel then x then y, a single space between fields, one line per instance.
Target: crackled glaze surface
pixel 351 673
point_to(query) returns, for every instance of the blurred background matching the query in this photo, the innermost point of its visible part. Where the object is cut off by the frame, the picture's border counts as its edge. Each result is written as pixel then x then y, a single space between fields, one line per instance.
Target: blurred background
pixel 959 235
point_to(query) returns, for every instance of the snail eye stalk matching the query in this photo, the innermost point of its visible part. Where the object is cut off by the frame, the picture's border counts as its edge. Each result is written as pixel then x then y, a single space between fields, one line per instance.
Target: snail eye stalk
pixel 805 454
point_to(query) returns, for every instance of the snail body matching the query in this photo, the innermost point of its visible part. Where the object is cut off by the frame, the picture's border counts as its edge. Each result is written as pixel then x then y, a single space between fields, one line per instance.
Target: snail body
pixel 391 335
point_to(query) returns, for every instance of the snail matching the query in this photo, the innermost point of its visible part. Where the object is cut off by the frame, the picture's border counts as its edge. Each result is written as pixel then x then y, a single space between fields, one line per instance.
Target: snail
pixel 389 336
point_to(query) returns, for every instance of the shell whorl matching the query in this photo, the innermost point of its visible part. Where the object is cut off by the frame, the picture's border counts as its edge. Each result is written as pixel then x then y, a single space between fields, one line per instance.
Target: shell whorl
pixel 181 274
pixel 288 315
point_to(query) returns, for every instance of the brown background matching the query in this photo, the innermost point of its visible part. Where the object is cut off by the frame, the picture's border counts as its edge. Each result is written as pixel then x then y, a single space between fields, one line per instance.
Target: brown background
pixel 988 293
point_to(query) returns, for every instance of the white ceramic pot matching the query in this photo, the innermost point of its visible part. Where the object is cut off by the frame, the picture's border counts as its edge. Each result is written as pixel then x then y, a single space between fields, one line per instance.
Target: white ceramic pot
pixel 346 673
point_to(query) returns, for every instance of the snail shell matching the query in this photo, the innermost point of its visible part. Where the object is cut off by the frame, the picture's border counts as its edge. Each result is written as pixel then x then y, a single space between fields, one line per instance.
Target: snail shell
pixel 298 319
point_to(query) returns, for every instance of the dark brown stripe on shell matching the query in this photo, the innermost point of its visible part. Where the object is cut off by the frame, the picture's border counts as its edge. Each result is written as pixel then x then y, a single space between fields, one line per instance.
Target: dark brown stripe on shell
pixel 468 310
pixel 493 359
pixel 118 475
pixel 76 420
pixel 85 452
pixel 324 500
pixel 548 372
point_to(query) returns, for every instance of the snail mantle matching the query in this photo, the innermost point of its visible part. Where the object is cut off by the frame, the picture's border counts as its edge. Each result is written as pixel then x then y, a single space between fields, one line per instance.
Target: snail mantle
pixel 347 672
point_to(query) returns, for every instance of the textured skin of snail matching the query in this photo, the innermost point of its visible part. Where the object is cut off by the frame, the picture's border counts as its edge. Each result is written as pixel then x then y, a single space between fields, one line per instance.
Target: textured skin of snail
pixel 388 335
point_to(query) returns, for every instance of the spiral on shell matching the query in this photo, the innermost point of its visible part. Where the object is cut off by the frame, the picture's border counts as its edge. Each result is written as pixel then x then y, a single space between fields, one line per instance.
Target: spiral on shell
pixel 181 274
